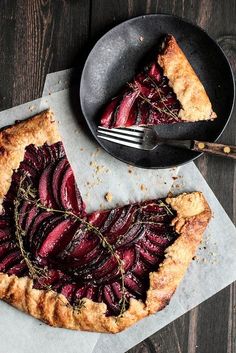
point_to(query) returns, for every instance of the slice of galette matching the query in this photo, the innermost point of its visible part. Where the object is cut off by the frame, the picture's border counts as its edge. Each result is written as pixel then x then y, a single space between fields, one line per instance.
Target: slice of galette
pixel 167 91
pixel 100 272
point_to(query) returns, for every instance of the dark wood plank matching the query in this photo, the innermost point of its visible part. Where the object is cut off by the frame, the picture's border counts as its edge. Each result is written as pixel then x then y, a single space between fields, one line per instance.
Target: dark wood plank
pixel 41 36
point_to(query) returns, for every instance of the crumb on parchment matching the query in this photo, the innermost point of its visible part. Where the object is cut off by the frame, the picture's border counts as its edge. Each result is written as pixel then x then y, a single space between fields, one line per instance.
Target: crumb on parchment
pixel 143 187
pixel 108 196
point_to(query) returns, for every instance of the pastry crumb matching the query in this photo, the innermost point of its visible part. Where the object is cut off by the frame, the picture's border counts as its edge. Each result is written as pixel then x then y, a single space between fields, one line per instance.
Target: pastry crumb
pixel 143 187
pixel 141 38
pixel 108 196
pixel 81 149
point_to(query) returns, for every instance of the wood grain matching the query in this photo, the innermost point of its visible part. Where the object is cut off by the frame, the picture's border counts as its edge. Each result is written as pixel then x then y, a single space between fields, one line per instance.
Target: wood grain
pixel 41 36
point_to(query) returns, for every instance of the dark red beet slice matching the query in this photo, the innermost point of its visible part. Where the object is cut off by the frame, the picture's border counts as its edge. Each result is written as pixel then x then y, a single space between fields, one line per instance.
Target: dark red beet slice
pixel 155 72
pixel 91 292
pixel 36 225
pixel 128 257
pixel 81 293
pixel 84 247
pixel 157 239
pixel 28 169
pixel 70 195
pixel 133 284
pixel 31 214
pixel 34 157
pixel 45 190
pixel 98 218
pixel 4 223
pixel 121 224
pixel 152 248
pixel 116 287
pixel 23 211
pixel 68 291
pixel 133 235
pixel 149 258
pixel 109 299
pixel 140 269
pixel 107 116
pixel 103 270
pixel 19 269
pixel 4 234
pixel 5 248
pixel 10 260
pixel 125 108
pixel 57 238
pixel 57 179
pixel 53 276
pixel 113 215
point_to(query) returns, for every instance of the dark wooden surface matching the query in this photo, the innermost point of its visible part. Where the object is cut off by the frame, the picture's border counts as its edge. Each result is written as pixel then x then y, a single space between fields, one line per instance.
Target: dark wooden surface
pixel 42 36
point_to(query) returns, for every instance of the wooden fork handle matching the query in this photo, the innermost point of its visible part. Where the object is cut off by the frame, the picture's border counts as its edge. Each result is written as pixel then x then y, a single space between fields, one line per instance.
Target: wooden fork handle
pixel 215 148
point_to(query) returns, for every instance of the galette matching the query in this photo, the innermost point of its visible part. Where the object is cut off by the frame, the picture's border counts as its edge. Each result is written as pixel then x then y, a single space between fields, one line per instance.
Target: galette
pixel 166 91
pixel 101 271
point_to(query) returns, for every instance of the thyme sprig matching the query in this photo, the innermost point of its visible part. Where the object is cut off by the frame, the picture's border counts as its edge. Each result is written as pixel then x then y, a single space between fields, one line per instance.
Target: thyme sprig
pixel 166 110
pixel 29 194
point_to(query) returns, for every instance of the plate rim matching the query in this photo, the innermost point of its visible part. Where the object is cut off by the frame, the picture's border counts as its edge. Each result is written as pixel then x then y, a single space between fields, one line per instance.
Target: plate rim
pixel 142 17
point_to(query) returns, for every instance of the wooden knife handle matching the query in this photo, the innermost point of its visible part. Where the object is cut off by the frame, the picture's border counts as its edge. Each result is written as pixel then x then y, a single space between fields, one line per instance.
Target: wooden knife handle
pixel 215 148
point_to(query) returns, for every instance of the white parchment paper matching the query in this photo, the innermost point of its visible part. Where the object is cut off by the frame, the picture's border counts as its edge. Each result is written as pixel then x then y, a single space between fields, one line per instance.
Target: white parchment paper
pixel 97 173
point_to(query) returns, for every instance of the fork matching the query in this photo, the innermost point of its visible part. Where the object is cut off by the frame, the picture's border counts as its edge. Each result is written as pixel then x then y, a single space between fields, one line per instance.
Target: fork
pixel 147 139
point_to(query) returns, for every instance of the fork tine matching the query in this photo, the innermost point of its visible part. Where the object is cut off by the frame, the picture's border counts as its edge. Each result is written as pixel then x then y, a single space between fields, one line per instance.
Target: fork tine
pixel 121 142
pixel 125 131
pixel 119 135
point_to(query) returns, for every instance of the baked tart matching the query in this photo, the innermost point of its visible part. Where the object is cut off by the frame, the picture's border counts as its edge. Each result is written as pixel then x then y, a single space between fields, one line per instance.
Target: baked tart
pixel 99 272
pixel 167 91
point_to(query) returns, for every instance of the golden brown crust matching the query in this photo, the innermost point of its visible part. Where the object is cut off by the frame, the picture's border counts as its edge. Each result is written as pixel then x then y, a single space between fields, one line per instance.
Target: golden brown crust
pixel 13 141
pixel 193 215
pixel 189 90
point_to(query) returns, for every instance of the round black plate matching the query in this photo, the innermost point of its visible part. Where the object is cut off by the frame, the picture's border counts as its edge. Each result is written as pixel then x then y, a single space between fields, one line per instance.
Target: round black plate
pixel 114 60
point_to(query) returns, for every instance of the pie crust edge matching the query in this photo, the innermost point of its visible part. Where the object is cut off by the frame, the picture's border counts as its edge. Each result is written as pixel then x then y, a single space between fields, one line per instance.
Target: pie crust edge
pixel 193 215
pixel 188 88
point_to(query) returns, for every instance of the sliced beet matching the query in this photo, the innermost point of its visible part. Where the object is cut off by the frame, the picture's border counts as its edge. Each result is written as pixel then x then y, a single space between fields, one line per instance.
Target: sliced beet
pixel 155 72
pixel 34 156
pixel 157 239
pixel 31 214
pixel 113 306
pixel 107 115
pixel 6 248
pixel 117 290
pixel 122 223
pixel 81 292
pixel 23 213
pixel 152 248
pixel 98 218
pixel 140 269
pixel 45 187
pixel 91 292
pixel 125 108
pixel 133 284
pixel 107 267
pixel 4 234
pixel 70 195
pixel 149 258
pixel 57 238
pixel 68 291
pixel 34 227
pixel 28 169
pixel 111 218
pixel 84 247
pixel 128 257
pixel 10 260
pixel 57 179
pixel 135 232
pixel 18 269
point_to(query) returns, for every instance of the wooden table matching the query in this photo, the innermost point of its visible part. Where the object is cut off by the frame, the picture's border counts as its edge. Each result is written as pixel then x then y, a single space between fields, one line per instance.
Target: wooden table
pixel 42 36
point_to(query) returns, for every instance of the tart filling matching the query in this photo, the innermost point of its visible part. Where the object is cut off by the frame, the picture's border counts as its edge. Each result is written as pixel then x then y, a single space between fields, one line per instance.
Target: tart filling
pixel 166 92
pixel 45 234
pixel 100 272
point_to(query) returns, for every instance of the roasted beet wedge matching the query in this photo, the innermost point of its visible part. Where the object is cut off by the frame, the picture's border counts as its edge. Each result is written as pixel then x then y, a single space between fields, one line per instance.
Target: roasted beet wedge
pixel 148 100
pixel 105 256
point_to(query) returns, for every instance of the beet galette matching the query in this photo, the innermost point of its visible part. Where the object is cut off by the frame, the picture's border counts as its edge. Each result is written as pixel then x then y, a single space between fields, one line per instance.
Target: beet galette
pixel 100 272
pixel 167 91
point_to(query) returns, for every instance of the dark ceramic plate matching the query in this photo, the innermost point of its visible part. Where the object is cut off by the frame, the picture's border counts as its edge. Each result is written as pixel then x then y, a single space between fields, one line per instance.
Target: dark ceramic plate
pixel 114 60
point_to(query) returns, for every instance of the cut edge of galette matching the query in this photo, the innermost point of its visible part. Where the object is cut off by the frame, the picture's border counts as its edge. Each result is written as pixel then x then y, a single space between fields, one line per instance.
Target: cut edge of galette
pixel 99 272
pixel 166 91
